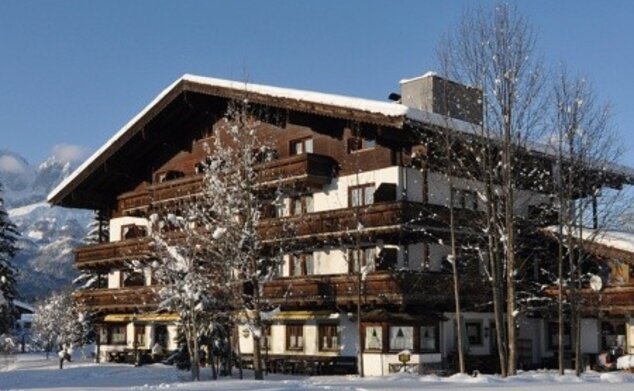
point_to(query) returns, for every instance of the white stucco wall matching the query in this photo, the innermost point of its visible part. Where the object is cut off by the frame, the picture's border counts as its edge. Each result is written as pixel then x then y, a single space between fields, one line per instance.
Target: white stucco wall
pixel 377 364
pixel 114 279
pixel 439 193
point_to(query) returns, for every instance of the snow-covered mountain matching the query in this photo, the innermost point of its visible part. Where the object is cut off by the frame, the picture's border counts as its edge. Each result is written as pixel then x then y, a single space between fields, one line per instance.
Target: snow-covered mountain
pixel 45 260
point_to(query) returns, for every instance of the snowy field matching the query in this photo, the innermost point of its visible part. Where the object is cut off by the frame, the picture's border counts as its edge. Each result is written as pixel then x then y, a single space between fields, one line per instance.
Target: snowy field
pixel 34 372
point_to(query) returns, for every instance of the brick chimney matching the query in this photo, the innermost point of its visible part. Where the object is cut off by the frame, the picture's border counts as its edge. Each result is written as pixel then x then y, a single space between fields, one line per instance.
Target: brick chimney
pixel 436 94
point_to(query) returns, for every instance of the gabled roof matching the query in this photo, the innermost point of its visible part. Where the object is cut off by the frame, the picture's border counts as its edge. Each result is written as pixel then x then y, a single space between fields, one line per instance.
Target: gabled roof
pixel 390 114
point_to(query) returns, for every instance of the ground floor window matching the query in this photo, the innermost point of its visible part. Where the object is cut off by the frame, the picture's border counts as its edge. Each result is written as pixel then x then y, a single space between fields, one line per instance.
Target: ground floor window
pixel 613 334
pixel 429 339
pixel 265 341
pixel 328 337
pixel 294 337
pixel 139 336
pixel 373 338
pixel 401 337
pixel 116 334
pixel 553 335
pixel 474 333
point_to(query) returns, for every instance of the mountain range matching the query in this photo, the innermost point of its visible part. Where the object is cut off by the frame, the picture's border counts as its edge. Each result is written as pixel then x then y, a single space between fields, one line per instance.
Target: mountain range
pixel 48 234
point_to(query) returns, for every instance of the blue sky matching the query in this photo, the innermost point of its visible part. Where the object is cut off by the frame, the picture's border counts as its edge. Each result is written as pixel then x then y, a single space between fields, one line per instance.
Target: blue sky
pixel 73 72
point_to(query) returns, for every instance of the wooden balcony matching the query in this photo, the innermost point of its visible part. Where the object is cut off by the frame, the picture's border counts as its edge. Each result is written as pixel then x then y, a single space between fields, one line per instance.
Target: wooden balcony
pixel 378 218
pixel 613 300
pixel 309 170
pixel 103 254
pixel 130 299
pixel 431 290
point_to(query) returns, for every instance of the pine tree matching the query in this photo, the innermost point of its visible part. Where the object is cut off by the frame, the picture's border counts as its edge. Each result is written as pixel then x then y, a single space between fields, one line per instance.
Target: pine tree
pixel 8 249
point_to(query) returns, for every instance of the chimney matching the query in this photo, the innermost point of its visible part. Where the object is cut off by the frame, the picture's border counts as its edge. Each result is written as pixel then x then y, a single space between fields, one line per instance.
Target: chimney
pixel 436 94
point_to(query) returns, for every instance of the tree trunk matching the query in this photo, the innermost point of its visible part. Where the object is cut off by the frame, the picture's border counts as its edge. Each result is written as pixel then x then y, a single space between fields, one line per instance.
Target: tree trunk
pixel 509 224
pixel 257 322
pixel 454 269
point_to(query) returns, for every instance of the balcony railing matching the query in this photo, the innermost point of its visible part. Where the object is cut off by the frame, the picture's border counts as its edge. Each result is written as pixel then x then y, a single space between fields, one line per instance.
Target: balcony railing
pixel 394 288
pixel 614 300
pixel 309 169
pixel 393 216
pixel 116 252
pixel 144 298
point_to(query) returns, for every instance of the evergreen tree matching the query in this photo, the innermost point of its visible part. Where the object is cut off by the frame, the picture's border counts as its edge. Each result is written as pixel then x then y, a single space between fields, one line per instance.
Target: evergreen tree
pixel 8 249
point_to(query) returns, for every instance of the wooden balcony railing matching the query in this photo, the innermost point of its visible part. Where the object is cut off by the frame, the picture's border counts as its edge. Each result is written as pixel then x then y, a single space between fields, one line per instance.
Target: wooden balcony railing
pixel 394 288
pixel 393 216
pixel 613 300
pixel 131 299
pixel 108 253
pixel 306 169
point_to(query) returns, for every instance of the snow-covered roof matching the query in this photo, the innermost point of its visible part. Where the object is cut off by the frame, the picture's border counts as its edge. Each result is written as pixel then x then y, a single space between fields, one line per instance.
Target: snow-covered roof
pixel 387 109
pixel 619 240
pixel 23 305
pixel 393 110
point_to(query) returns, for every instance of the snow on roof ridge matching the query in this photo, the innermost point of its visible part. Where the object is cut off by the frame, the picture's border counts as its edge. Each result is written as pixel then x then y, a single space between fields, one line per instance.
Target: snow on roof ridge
pixel 424 75
pixel 620 240
pixel 24 305
pixel 390 109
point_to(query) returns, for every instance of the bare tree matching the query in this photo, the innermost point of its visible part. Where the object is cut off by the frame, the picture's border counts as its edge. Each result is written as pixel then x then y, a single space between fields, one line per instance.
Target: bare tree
pixel 495 52
pixel 586 146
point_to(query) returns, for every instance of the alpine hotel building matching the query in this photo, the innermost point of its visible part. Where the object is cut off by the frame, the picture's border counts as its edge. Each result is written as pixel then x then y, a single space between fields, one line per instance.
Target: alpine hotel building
pixel 342 161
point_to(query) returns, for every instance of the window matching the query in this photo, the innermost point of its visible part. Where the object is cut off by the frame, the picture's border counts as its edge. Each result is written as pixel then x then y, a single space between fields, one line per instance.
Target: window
pixel 302 146
pixel 302 204
pixel 301 265
pixel 470 199
pixel 429 339
pixel 465 199
pixel 280 209
pixel 133 231
pixel 328 337
pixel 361 143
pixel 373 338
pixel 101 281
pixel 365 257
pixel 553 335
pixel 612 334
pixel 102 334
pixel 139 335
pixel 132 278
pixel 361 195
pixel 401 337
pixel 117 334
pixel 294 337
pixel 265 341
pixel 474 333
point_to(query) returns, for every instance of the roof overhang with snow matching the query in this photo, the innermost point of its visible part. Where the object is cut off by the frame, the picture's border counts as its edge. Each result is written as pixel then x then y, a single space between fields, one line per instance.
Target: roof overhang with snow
pixel 110 170
pixel 175 101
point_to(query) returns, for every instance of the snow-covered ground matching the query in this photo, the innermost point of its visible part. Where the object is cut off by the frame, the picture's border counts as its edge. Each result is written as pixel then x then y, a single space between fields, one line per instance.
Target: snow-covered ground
pixel 34 372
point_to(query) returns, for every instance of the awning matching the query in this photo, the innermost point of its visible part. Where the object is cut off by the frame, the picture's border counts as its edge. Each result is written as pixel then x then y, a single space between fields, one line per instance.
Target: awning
pixel 305 315
pixel 149 317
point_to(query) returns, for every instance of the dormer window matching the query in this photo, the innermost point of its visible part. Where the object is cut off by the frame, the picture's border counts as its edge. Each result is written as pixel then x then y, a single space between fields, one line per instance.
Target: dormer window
pixel 301 146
